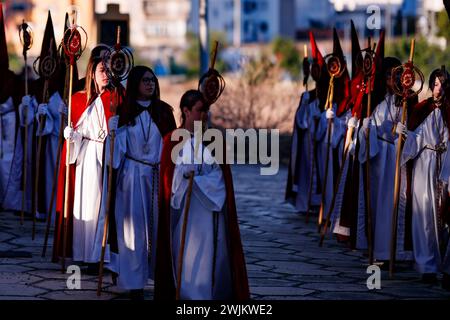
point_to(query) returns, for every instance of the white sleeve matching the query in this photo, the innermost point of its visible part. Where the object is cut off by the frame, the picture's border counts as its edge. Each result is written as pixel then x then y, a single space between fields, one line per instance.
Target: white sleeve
pixel 373 141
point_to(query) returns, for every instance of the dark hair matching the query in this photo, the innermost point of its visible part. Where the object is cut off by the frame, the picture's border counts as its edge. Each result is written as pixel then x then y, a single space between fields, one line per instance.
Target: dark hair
pixel 128 111
pixel 90 85
pixel 390 63
pixel 188 100
pixel 442 75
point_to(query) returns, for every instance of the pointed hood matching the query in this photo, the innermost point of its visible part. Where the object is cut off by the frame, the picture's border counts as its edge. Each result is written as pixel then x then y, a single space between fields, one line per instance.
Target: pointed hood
pixel 356 49
pixel 319 65
pixel 48 50
pixel 356 84
pixel 341 84
pixel 4 61
pixel 379 77
pixel 316 55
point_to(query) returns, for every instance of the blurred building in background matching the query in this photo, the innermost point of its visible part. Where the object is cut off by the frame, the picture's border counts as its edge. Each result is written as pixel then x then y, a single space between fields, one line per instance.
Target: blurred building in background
pixel 158 29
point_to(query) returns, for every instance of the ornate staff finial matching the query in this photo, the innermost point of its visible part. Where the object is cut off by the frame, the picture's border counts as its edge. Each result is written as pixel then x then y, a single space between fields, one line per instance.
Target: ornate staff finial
pixel 212 84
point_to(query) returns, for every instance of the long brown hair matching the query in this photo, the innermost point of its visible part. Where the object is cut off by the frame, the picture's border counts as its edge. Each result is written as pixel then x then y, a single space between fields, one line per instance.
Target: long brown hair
pixel 128 111
pixel 90 86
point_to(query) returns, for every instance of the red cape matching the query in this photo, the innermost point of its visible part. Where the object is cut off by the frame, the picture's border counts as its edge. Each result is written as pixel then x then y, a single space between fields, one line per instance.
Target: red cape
pixel 164 280
pixel 79 105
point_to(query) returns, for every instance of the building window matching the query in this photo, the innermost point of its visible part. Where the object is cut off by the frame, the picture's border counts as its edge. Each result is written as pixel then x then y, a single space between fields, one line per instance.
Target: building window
pixel 250 7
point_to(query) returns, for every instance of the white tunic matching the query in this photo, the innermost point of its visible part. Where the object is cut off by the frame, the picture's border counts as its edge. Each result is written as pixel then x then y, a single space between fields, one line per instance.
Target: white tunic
pixel 337 132
pixel 206 218
pixel 86 151
pixel 136 187
pixel 418 146
pixel 13 196
pixel 382 175
pixel 337 210
pixel 7 144
pixel 304 129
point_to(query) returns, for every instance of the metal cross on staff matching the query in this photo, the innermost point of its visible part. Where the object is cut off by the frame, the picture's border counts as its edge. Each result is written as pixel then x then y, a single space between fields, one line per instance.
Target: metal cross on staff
pixel 408 74
pixel 46 69
pixel 26 39
pixel 335 68
pixel 118 62
pixel 73 46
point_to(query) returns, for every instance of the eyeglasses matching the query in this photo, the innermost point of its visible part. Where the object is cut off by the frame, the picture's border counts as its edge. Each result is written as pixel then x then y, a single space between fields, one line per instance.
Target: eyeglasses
pixel 147 80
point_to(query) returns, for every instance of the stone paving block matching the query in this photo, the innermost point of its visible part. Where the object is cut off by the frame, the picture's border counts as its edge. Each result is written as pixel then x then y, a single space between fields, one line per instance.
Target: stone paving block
pixel 281 291
pixel 351 296
pixel 20 298
pixel 23 290
pixel 77 295
pixel 13 268
pixel 314 278
pixel 336 287
pixel 17 278
pixel 264 282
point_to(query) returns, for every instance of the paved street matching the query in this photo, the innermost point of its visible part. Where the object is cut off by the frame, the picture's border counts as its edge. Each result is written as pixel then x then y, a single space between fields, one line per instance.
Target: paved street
pixel 283 258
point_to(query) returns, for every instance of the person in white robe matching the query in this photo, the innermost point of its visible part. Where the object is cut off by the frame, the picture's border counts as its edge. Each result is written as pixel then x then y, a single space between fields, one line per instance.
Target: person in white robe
pixel 13 195
pixel 302 158
pixel 86 152
pixel 137 153
pixel 426 145
pixel 8 130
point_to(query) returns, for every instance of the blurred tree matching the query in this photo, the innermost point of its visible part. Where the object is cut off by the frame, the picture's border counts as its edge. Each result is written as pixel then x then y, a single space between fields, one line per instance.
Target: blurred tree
pixel 192 54
pixel 443 24
pixel 287 56
pixel 426 56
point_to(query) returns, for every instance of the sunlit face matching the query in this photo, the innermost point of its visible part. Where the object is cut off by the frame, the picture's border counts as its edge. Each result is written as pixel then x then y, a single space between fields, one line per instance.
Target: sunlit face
pixel 199 112
pixel 101 78
pixel 147 86
pixel 437 90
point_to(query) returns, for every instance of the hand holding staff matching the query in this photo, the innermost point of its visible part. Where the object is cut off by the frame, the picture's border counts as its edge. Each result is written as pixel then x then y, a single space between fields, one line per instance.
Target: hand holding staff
pixel 335 68
pixel 26 38
pixel 118 62
pixel 73 47
pixel 408 73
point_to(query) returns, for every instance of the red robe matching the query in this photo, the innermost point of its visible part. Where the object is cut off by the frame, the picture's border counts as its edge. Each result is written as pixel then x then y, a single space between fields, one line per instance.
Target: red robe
pixel 164 281
pixel 79 105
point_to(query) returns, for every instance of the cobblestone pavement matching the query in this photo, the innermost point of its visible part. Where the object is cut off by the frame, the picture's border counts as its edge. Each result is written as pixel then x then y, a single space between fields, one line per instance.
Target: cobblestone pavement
pixel 283 258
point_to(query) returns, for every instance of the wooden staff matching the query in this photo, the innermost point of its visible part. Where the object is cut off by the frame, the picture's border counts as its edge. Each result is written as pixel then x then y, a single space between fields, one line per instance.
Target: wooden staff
pixel 55 172
pixel 329 106
pixel 183 234
pixel 46 74
pixel 41 127
pixel 348 140
pixel 110 174
pixel 370 238
pixel 27 43
pixel 67 184
pixel 73 47
pixel 397 175
pixel 312 138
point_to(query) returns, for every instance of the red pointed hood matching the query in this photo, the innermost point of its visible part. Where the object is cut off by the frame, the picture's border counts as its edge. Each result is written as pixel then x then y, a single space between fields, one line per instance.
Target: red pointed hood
pixel 341 84
pixel 316 55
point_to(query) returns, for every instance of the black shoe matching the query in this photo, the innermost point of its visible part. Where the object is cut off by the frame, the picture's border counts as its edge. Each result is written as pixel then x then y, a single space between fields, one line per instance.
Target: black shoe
pixel 429 278
pixel 137 294
pixel 446 281
pixel 93 269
